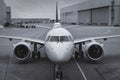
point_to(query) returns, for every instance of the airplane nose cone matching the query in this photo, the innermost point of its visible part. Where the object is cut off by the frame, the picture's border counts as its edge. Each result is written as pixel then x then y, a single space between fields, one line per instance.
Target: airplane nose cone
pixel 60 52
pixel 61 56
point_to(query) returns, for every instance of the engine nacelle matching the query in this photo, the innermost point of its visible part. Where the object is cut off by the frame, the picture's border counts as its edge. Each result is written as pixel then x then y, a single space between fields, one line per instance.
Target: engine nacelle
pixel 22 51
pixel 94 50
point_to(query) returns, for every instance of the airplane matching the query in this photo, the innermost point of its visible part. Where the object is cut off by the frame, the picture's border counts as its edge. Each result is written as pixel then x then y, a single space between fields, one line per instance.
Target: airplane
pixel 59 45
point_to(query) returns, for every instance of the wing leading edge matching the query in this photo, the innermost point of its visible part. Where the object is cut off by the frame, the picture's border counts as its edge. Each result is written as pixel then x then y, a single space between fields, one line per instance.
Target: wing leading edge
pixel 75 41
pixel 94 38
pixel 24 39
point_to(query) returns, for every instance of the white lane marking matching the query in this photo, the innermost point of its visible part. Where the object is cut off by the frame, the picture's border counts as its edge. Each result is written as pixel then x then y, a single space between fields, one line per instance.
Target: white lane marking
pixel 25 34
pixel 80 69
pixel 38 36
pixel 71 26
pixel 107 32
pixel 34 34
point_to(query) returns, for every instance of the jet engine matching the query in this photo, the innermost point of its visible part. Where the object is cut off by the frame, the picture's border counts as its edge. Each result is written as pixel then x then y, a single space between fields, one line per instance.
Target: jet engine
pixel 22 51
pixel 94 50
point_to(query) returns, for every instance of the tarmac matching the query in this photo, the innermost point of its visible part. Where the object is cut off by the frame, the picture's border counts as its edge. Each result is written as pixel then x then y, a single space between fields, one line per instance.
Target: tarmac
pixel 42 69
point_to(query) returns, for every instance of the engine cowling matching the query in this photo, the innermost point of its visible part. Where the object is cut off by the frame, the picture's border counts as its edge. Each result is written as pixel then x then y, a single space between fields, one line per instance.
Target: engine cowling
pixel 22 51
pixel 94 51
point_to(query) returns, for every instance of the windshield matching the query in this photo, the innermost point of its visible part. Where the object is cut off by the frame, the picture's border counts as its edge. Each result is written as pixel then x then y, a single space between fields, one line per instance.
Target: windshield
pixel 59 38
pixel 64 38
pixel 54 38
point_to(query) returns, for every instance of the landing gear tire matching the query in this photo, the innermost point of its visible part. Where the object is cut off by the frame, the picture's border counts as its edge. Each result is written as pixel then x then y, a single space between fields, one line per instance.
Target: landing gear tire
pixel 33 55
pixel 37 55
pixel 82 55
pixel 76 54
pixel 59 74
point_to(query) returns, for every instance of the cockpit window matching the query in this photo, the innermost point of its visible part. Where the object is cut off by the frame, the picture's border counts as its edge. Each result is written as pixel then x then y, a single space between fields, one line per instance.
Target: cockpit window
pixel 48 38
pixel 54 38
pixel 70 38
pixel 64 38
pixel 59 38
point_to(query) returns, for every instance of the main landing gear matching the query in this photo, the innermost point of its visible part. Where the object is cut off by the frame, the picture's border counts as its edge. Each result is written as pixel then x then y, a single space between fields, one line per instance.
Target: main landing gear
pixel 79 52
pixel 36 53
pixel 58 72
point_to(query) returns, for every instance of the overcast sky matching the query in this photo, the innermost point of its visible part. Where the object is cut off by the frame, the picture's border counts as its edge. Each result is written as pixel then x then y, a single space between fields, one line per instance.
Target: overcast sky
pixel 36 8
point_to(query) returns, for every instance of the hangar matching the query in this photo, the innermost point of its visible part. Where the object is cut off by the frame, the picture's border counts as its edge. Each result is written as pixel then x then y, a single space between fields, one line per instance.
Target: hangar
pixel 5 13
pixel 30 20
pixel 2 12
pixel 92 12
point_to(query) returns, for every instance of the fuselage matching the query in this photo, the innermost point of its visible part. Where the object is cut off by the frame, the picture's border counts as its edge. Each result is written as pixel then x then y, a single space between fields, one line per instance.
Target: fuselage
pixel 59 45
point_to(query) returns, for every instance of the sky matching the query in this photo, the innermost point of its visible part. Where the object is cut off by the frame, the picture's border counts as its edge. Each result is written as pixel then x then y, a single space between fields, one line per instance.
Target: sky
pixel 37 8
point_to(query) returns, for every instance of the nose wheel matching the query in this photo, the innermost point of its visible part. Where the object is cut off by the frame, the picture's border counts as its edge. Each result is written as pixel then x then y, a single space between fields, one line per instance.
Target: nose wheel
pixel 59 75
pixel 58 72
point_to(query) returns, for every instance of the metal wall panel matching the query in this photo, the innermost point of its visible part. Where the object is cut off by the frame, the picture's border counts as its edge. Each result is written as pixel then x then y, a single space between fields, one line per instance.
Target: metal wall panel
pixel 2 12
pixel 71 18
pixel 117 16
pixel 84 17
pixel 100 16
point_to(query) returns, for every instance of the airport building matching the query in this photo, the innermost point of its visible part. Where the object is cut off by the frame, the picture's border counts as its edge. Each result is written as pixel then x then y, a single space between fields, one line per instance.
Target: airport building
pixel 5 13
pixel 8 14
pixel 92 12
pixel 2 12
pixel 30 20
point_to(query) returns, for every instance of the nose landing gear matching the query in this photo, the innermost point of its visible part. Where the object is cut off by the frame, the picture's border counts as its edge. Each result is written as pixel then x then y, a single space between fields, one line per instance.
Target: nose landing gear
pixel 58 72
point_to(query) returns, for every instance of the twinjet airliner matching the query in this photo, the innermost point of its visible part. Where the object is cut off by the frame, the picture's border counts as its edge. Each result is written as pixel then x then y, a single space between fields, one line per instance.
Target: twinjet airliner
pixel 59 45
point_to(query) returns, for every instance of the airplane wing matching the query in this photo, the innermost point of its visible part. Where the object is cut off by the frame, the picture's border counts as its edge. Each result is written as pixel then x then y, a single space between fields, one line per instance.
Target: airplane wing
pixel 94 38
pixel 24 39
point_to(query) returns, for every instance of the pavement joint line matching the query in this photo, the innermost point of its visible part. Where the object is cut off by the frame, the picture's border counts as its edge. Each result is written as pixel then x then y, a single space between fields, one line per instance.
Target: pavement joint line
pixel 71 26
pixel 33 34
pixel 100 74
pixel 7 66
pixel 80 69
pixel 25 34
pixel 38 35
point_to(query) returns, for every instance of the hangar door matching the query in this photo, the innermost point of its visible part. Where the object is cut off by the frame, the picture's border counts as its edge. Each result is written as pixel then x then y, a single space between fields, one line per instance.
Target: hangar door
pixel 100 16
pixel 71 17
pixel 84 17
